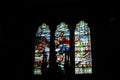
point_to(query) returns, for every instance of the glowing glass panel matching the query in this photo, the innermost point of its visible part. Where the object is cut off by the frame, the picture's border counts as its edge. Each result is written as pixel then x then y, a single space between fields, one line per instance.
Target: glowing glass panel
pixel 83 60
pixel 42 49
pixel 62 45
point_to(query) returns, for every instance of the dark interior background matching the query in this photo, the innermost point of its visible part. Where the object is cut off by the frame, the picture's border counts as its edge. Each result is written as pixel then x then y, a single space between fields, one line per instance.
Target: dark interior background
pixel 19 25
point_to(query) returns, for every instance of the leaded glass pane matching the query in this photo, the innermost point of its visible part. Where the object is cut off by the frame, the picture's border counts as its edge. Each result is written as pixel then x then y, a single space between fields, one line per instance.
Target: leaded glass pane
pixel 83 61
pixel 42 49
pixel 62 45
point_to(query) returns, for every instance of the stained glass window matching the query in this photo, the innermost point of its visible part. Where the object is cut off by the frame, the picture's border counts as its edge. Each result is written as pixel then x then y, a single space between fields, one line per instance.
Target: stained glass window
pixel 42 49
pixel 83 60
pixel 62 45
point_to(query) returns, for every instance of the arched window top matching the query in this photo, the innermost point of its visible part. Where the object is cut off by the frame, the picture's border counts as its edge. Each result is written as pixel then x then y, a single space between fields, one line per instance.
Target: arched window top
pixel 62 27
pixel 82 28
pixel 43 31
pixel 81 24
pixel 43 26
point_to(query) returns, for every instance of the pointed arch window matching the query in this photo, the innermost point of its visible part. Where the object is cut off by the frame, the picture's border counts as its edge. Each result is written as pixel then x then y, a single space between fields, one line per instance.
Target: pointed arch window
pixel 83 60
pixel 42 49
pixel 62 45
